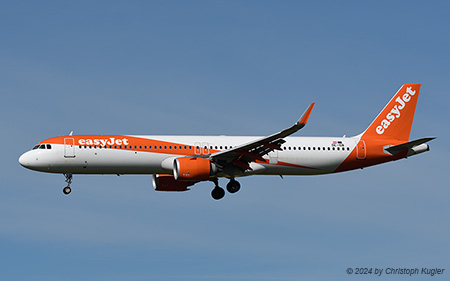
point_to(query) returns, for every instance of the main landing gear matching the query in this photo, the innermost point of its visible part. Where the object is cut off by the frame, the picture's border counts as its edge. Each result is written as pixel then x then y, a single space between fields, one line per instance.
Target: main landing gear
pixel 67 189
pixel 233 186
pixel 218 193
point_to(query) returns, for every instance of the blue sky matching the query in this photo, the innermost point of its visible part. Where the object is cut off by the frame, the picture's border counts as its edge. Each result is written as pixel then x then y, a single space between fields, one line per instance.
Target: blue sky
pixel 213 68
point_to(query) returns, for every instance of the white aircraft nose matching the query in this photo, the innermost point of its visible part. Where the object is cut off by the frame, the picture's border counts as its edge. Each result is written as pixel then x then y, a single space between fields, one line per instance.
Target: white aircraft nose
pixel 25 160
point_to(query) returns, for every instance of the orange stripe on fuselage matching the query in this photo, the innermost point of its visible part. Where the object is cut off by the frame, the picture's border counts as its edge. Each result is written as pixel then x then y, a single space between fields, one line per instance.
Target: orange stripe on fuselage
pixel 120 142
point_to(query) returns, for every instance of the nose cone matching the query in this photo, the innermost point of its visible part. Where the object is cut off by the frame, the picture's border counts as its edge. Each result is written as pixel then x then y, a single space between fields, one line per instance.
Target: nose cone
pixel 25 160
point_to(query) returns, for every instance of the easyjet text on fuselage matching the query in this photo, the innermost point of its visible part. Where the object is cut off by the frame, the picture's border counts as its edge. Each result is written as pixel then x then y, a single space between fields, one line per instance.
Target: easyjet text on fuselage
pixel 109 141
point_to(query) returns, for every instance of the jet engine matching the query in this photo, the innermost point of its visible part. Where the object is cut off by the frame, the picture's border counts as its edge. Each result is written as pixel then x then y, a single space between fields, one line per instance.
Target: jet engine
pixel 193 169
pixel 168 183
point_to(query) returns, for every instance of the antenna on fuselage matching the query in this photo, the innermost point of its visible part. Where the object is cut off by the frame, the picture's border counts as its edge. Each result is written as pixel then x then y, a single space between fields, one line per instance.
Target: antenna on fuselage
pixel 71 132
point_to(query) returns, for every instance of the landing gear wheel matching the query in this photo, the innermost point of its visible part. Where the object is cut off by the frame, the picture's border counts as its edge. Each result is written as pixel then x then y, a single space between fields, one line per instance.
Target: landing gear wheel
pixel 218 193
pixel 233 186
pixel 67 190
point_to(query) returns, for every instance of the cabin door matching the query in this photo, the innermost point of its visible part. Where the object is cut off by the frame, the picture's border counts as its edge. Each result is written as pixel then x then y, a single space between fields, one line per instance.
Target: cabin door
pixel 69 148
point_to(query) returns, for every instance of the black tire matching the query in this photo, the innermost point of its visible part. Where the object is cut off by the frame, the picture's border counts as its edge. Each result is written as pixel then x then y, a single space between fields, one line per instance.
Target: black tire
pixel 233 186
pixel 217 193
pixel 67 190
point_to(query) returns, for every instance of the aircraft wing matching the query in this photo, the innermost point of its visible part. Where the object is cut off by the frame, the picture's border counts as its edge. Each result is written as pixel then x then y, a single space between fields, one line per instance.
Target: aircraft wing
pixel 244 154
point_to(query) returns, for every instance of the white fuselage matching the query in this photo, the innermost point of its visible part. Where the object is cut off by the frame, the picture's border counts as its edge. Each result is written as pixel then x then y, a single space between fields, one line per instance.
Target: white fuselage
pixel 299 155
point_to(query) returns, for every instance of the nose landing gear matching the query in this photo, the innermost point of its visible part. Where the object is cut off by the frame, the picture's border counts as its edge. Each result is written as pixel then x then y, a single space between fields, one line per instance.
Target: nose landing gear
pixel 67 189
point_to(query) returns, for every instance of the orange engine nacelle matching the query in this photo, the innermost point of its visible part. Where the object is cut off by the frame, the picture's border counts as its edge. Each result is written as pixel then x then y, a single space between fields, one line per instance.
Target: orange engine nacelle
pixel 168 183
pixel 193 169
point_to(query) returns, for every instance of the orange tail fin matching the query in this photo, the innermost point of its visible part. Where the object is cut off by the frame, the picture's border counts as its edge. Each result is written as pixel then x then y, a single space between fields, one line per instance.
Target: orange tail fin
pixel 395 120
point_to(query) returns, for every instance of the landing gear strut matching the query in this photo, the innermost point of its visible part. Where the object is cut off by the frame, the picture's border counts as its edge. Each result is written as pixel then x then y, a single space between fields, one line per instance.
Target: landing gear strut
pixel 218 192
pixel 67 189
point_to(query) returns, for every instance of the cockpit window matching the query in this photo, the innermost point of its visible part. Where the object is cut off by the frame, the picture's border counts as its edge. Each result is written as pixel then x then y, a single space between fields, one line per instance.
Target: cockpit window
pixel 42 146
pixel 49 146
pixel 36 147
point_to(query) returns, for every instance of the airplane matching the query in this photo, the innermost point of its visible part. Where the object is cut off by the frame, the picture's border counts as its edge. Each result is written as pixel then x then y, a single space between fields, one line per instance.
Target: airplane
pixel 179 162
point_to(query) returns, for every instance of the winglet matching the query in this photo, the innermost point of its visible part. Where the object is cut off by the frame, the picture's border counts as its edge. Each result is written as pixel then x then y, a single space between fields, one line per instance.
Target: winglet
pixel 304 118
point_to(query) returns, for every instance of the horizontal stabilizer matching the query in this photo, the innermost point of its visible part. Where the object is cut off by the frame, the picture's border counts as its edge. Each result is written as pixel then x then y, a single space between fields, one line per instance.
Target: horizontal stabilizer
pixel 406 146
